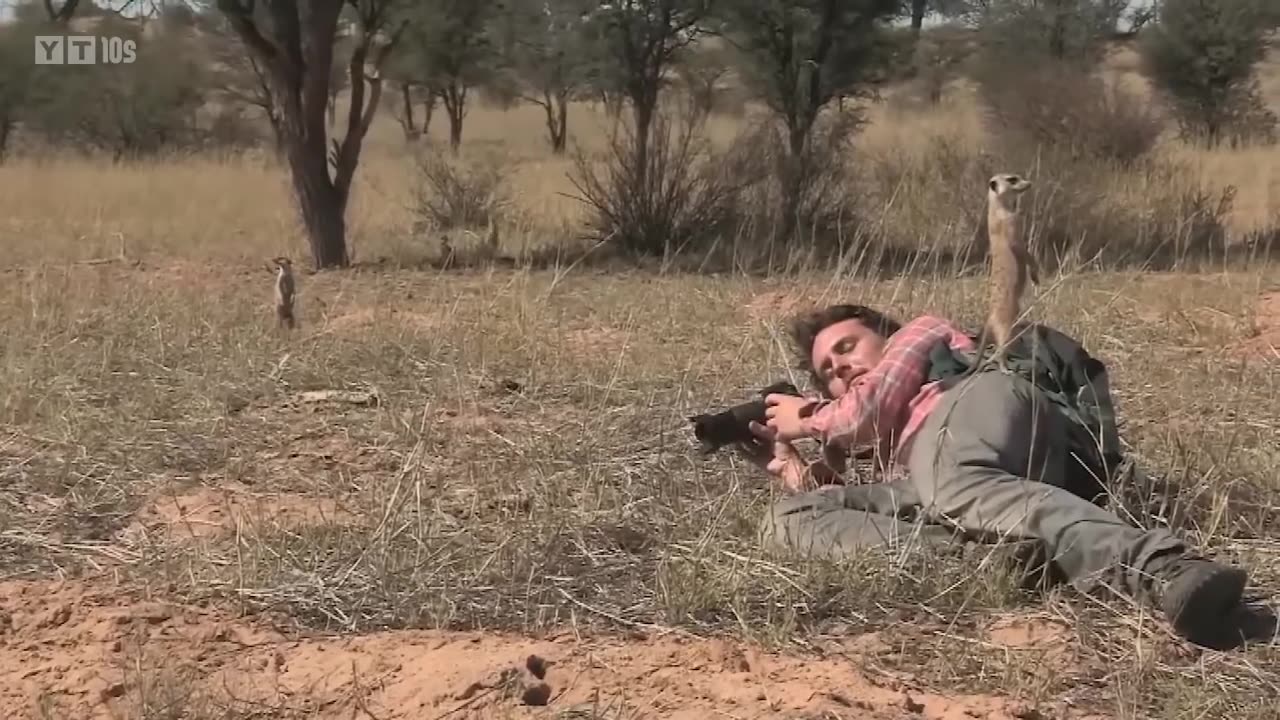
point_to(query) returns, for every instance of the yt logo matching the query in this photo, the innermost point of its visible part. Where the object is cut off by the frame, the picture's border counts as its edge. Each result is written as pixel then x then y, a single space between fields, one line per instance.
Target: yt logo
pixel 84 50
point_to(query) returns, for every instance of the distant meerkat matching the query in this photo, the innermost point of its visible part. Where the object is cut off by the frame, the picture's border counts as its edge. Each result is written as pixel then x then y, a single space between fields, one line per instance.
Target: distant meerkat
pixel 284 292
pixel 1011 261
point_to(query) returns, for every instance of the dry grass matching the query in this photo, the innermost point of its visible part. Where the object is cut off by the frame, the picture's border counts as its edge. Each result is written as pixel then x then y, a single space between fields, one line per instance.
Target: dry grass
pixel 526 464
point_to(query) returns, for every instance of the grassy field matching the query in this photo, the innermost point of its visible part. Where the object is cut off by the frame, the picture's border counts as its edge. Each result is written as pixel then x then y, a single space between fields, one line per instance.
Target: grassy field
pixel 191 528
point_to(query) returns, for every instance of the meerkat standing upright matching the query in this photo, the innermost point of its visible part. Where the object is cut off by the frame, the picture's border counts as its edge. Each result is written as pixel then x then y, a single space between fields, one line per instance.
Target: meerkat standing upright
pixel 284 292
pixel 1011 261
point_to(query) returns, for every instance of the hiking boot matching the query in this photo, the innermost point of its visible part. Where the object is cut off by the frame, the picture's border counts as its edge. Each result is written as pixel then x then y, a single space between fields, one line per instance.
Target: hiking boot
pixel 1198 596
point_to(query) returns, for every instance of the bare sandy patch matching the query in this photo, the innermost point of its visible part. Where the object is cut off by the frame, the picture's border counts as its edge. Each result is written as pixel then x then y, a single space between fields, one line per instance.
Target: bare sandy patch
pixel 360 319
pixel 1016 631
pixel 1265 344
pixel 89 650
pixel 215 512
pixel 775 304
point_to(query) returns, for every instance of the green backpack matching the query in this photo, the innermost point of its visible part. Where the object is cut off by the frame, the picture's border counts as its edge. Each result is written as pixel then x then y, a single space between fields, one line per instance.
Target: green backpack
pixel 1076 383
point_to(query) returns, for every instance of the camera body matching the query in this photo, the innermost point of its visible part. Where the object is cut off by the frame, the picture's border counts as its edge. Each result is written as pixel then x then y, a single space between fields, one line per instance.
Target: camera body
pixel 715 430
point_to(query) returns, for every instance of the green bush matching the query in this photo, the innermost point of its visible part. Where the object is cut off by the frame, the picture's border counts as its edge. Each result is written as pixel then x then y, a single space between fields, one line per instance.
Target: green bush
pixel 1202 55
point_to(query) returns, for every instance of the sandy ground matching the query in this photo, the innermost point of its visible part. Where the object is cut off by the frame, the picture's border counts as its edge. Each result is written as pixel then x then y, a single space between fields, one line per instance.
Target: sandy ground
pixel 85 650
pixel 1266 344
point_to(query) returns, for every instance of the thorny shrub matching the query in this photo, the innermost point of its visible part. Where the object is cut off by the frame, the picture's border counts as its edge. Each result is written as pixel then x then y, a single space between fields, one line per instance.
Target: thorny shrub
pixel 673 197
pixel 459 192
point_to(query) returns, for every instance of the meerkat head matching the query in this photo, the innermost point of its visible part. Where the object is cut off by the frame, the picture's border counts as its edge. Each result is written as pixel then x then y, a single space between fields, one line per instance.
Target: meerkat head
pixel 1005 188
pixel 282 262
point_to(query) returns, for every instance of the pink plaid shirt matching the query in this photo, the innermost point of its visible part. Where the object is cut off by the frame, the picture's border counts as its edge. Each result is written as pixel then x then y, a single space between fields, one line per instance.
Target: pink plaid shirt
pixel 892 400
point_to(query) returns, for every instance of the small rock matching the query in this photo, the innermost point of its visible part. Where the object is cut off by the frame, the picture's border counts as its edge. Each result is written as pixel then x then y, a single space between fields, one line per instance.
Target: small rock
pixel 55 618
pixel 538 694
pixel 536 666
pixel 114 690
pixel 910 705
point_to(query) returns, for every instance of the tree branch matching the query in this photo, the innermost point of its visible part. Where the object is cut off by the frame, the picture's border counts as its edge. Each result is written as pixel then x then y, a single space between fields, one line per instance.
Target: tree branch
pixel 63 14
pixel 360 113
pixel 240 16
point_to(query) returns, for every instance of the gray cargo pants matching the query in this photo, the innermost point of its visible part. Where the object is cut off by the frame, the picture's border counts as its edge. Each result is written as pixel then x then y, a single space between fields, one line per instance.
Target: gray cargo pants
pixel 989 461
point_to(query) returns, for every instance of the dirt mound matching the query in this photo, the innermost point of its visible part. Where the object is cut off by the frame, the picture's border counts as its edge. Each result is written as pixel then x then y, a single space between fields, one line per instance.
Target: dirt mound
pixel 1265 343
pixel 87 650
pixel 781 305
pixel 776 305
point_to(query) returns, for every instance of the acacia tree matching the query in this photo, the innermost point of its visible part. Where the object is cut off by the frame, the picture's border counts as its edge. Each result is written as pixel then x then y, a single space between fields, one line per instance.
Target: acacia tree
pixel 294 43
pixel 701 74
pixel 636 43
pixel 545 49
pixel 1203 56
pixel 409 92
pixel 800 55
pixel 450 48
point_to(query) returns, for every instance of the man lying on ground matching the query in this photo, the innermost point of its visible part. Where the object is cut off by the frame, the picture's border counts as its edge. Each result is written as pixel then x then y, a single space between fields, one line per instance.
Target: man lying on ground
pixel 987 456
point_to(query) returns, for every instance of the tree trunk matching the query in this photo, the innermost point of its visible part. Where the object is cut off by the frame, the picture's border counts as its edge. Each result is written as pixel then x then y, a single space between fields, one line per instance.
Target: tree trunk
pixel 428 111
pixel 643 113
pixel 556 106
pixel 455 104
pixel 562 137
pixel 322 208
pixel 406 113
pixel 918 8
pixel 794 175
pixel 6 129
pixel 455 130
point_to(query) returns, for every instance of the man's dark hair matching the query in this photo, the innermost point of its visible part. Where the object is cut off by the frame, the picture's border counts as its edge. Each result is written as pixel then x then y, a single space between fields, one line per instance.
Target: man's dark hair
pixel 806 326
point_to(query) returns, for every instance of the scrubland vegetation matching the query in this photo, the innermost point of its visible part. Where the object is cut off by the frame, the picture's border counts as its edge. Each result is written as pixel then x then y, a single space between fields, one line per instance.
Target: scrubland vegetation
pixel 543 235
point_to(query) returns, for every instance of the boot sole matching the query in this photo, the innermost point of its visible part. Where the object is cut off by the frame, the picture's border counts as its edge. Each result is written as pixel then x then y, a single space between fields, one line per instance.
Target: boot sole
pixel 1209 604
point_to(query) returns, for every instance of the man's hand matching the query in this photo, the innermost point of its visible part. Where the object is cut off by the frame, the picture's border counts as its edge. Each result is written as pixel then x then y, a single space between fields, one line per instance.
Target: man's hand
pixel 776 457
pixel 784 415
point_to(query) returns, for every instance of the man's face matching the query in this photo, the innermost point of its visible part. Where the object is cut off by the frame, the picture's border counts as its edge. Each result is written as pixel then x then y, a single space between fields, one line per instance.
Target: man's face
pixel 842 352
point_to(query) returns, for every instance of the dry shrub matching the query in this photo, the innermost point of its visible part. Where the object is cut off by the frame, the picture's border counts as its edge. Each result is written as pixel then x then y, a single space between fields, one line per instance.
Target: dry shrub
pixel 674 197
pixel 1154 215
pixel 459 192
pixel 1243 120
pixel 929 195
pixel 1076 112
pixel 803 202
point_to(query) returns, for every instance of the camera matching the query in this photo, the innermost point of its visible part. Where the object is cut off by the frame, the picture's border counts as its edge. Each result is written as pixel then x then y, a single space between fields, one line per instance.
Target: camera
pixel 715 430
